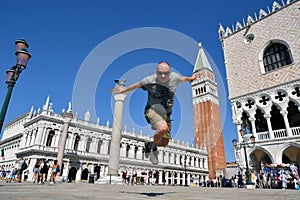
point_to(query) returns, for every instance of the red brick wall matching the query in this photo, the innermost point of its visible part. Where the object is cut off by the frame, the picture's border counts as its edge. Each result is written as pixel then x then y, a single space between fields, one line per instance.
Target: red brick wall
pixel 208 133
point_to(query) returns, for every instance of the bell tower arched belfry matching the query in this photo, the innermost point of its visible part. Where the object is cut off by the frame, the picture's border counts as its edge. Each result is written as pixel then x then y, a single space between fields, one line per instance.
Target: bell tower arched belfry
pixel 207 121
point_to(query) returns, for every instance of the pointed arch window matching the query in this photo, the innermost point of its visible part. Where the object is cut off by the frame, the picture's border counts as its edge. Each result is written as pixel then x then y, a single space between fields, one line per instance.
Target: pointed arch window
pixel 135 151
pixel 127 150
pixel 276 56
pixel 260 121
pixel 99 146
pixel 293 114
pixel 76 143
pixel 88 144
pixel 108 150
pixel 50 138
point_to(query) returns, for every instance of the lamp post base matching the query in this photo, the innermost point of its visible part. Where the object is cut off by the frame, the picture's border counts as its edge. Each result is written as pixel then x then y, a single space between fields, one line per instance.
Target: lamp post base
pixel 250 186
pixel 109 179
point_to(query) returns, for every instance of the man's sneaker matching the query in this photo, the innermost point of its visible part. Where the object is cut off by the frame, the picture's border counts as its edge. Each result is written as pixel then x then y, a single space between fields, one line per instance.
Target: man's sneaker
pixel 148 148
pixel 154 147
pixel 154 157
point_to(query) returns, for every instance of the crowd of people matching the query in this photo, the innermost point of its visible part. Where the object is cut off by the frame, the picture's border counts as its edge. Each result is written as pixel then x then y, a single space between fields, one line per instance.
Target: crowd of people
pixel 282 176
pixel 274 176
pixel 42 171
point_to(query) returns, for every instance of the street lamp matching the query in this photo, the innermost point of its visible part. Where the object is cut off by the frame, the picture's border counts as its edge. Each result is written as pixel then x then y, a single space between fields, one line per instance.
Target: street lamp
pixel 185 175
pixel 13 73
pixel 245 144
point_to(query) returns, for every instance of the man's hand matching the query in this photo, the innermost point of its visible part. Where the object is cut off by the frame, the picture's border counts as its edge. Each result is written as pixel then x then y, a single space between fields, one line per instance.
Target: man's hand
pixel 194 76
pixel 190 78
pixel 120 89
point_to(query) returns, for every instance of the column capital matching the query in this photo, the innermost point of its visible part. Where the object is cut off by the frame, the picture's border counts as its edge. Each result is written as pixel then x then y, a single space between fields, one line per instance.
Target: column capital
pixel 120 97
pixel 283 112
pixel 251 119
pixel 67 116
pixel 267 115
pixel 238 122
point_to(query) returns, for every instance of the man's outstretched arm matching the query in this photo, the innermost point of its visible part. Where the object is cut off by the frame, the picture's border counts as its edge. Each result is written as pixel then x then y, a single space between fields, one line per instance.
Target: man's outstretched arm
pixel 189 78
pixel 121 89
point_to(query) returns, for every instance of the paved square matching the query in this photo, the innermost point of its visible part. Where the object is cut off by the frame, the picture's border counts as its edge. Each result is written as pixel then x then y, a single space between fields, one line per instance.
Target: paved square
pixel 74 191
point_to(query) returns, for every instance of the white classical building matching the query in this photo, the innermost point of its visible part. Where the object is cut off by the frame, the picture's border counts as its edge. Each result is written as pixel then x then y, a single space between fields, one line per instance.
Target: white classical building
pixel 36 135
pixel 262 58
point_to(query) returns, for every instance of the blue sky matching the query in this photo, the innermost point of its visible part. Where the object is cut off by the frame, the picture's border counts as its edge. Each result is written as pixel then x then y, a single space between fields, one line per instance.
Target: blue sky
pixel 65 37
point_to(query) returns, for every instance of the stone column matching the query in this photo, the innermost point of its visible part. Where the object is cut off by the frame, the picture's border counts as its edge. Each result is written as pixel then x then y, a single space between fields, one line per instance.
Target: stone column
pixel 238 126
pixel 205 164
pixel 44 137
pixel 78 173
pixel 178 178
pixel 173 174
pixel 71 139
pixel 106 169
pixel 252 120
pixel 131 151
pixel 268 118
pixel 160 180
pixel 105 146
pixel 139 153
pixel 61 150
pixel 39 135
pixel 197 162
pixel 93 145
pixel 172 158
pixel 81 146
pixel 176 159
pixel 116 134
pixel 192 161
pixel 32 135
pixel 123 150
pixel 56 138
pixel 287 124
pixel 23 140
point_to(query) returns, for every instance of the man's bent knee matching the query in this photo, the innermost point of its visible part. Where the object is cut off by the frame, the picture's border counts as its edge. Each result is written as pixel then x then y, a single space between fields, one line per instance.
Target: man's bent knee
pixel 162 127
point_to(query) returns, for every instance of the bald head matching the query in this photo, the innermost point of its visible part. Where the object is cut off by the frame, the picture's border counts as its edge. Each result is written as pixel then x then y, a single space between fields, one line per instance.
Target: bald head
pixel 163 72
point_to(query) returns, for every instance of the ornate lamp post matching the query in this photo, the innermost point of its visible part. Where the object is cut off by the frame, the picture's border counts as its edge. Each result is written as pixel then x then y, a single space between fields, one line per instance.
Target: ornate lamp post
pixel 245 144
pixel 185 175
pixel 13 73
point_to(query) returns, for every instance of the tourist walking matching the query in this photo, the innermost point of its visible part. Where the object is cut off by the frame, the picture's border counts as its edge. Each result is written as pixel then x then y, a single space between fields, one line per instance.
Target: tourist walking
pixel 44 171
pixel 54 170
pixel 21 166
pixel 36 171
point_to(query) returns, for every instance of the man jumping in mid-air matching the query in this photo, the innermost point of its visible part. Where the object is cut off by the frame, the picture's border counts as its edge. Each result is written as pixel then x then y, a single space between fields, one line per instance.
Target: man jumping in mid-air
pixel 161 89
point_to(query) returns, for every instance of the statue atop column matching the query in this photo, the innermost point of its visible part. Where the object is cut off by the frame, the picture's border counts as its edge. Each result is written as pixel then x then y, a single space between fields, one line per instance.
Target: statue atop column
pixel 120 83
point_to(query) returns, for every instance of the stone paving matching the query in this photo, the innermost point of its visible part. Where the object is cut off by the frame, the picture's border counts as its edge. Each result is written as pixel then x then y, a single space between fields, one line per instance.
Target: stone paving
pixel 74 191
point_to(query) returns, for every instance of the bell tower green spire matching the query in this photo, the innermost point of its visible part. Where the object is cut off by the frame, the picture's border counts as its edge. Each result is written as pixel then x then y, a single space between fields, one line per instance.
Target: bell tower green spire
pixel 201 61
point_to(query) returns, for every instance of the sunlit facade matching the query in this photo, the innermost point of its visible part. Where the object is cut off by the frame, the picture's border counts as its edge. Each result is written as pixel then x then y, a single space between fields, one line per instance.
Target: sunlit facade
pixel 36 135
pixel 263 72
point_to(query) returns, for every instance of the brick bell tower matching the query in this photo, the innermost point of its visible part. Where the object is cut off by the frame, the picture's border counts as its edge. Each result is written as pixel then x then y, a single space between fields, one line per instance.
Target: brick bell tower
pixel 207 121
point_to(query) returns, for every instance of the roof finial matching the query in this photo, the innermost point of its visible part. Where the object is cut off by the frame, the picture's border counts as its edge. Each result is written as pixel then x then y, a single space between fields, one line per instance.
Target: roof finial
pixel 31 110
pixel 46 105
pixel 221 30
pixel 87 116
pixel 69 107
